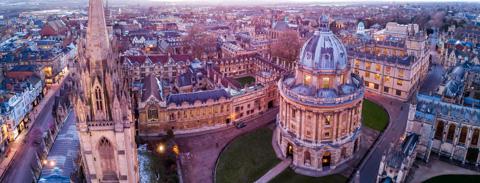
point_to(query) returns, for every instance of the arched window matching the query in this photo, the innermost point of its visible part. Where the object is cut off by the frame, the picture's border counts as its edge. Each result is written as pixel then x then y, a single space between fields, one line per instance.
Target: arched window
pixel 98 98
pixel 307 159
pixel 463 135
pixel 451 133
pixel 439 130
pixel 153 113
pixel 107 161
pixel 475 135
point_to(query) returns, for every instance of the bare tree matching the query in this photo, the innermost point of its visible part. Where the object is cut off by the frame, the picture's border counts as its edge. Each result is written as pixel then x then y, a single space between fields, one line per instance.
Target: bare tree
pixel 286 48
pixel 198 41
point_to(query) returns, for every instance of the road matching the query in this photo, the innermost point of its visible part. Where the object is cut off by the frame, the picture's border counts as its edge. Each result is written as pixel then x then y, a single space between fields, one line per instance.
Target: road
pixel 20 169
pixel 398 114
pixel 204 149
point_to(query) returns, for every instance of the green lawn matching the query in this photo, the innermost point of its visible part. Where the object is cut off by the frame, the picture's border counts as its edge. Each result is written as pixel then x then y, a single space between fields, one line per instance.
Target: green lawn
pixel 454 178
pixel 247 158
pixel 374 116
pixel 246 80
pixel 289 176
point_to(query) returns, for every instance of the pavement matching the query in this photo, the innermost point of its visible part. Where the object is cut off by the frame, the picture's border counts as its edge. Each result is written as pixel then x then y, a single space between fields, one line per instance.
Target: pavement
pixel 436 168
pixel 272 173
pixel 201 151
pixel 22 150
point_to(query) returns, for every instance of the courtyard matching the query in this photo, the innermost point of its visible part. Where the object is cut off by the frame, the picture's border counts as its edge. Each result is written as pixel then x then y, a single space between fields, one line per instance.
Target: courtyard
pixel 246 80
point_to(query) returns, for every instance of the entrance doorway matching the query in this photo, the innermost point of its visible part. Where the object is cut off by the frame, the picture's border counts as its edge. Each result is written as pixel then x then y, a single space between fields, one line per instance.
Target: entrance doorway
pixel 326 160
pixel 472 154
pixel 289 150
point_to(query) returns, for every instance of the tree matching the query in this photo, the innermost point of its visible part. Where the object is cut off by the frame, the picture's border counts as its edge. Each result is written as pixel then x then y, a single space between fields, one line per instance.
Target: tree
pixel 198 41
pixel 287 47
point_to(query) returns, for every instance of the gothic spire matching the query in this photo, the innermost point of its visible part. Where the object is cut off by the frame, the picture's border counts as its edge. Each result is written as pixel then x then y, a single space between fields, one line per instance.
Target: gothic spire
pixel 98 45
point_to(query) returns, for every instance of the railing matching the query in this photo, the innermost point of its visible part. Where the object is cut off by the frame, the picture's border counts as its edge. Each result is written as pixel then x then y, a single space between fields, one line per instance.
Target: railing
pixel 321 101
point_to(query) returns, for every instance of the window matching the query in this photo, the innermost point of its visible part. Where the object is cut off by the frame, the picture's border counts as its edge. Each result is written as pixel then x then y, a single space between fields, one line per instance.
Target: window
pixel 399 82
pixel 398 92
pixel 367 74
pixel 307 79
pixel 153 114
pixel 368 65
pixel 377 67
pixel 463 135
pixel 475 135
pixel 98 97
pixel 375 86
pixel 327 120
pixel 451 133
pixel 388 69
pixel 293 113
pixel 377 77
pixel 357 63
pixel 105 150
pixel 401 73
pixel 325 82
pixel 385 89
pixel 327 134
pixel 387 79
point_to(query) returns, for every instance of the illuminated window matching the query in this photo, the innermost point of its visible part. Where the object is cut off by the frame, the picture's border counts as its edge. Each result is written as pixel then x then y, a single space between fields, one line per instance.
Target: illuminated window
pixel 367 74
pixel 325 82
pixel 328 120
pixel 377 76
pixel 307 79
pixel 387 79
pixel 357 63
pixel 399 82
pixel 377 67
pixel 368 65
pixel 400 73
pixel 388 69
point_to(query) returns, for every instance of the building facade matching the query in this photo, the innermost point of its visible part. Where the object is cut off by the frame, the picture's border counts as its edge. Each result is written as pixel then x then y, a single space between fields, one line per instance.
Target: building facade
pixel 319 122
pixel 392 68
pixel 103 108
pixel 448 121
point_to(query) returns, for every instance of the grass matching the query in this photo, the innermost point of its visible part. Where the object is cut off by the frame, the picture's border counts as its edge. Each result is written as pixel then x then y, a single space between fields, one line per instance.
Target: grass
pixel 374 116
pixel 289 176
pixel 247 158
pixel 454 178
pixel 247 80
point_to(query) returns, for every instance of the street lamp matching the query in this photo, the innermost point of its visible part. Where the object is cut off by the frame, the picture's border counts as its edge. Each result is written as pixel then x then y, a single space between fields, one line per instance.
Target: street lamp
pixel 161 148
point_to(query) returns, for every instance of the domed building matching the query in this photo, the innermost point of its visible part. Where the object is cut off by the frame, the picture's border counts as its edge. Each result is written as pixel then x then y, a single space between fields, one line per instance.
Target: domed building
pixel 319 122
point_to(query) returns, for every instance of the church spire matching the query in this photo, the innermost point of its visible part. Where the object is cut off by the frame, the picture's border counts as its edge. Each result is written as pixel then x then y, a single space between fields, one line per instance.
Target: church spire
pixel 98 44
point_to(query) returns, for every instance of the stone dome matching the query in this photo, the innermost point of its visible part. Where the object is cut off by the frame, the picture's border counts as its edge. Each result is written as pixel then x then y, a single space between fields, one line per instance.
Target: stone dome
pixel 323 51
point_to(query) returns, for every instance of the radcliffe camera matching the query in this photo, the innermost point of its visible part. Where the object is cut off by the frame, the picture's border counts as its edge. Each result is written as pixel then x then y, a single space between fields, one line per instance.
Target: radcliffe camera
pixel 239 91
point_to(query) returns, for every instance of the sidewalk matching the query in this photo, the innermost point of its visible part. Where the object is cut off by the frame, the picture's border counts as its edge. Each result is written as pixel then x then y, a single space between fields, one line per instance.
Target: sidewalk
pixel 18 142
pixel 272 173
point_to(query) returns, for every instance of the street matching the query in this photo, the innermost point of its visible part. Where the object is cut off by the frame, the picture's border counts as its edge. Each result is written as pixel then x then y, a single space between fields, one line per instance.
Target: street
pixel 25 145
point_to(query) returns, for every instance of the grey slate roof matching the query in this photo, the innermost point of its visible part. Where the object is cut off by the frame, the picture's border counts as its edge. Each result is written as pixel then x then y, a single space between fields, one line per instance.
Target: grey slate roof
pixel 202 96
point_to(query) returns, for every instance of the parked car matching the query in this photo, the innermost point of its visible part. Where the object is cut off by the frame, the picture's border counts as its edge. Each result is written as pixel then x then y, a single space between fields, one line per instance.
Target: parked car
pixel 240 125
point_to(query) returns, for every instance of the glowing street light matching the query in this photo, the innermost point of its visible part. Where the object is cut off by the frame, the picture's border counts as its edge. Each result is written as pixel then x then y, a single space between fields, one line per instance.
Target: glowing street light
pixel 161 148
pixel 52 163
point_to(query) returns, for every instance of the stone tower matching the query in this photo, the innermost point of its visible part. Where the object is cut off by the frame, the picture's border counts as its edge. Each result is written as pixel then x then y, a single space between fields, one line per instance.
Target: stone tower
pixel 319 122
pixel 103 107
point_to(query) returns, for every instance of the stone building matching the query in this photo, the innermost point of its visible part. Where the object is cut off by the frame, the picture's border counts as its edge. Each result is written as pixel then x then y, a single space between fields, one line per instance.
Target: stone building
pixel 224 102
pixel 392 68
pixel 397 161
pixel 448 121
pixel 319 122
pixel 103 108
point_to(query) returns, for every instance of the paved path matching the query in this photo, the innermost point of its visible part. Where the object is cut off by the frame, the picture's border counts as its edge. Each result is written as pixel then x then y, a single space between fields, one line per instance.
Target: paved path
pixel 272 173
pixel 203 150
pixel 437 167
pixel 398 113
pixel 24 147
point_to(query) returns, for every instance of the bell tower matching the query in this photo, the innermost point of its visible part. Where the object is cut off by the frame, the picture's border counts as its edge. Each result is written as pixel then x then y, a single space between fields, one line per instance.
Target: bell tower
pixel 103 107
